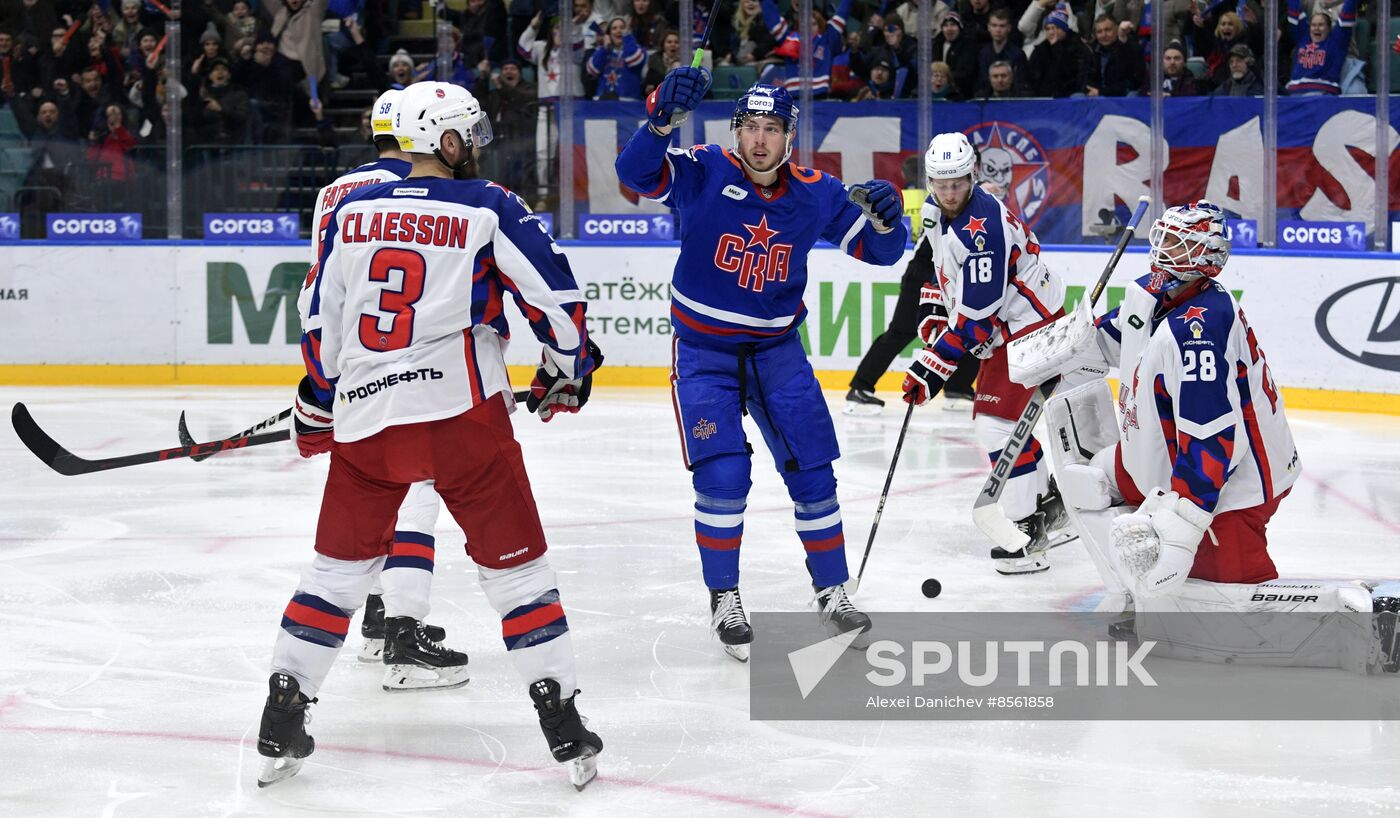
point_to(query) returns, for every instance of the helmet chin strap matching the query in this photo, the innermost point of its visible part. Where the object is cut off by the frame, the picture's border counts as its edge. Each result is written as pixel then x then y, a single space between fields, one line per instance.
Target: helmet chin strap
pixel 787 152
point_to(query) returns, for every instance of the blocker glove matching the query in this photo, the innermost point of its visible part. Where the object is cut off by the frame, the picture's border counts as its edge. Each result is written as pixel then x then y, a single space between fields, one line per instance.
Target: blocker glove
pixel 678 94
pixel 313 422
pixel 882 204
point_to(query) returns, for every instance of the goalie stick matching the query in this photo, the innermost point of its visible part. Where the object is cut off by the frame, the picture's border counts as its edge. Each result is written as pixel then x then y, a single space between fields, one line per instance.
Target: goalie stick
pixel 985 513
pixel 66 463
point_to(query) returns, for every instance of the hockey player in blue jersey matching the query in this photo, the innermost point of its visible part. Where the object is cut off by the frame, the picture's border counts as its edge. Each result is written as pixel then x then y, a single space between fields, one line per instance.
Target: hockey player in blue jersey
pixel 748 220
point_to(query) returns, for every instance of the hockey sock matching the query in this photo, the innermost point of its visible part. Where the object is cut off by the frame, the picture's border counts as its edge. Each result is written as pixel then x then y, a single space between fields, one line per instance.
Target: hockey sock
pixel 408 575
pixel 721 495
pixel 317 619
pixel 533 624
pixel 818 522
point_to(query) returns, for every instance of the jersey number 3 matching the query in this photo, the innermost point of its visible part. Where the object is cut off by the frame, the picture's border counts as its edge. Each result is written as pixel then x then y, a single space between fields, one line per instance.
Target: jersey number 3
pixel 397 305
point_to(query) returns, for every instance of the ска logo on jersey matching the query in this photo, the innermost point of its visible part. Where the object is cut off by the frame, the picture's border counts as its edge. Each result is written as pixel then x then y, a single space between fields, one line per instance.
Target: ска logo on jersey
pixel 756 257
pixel 1013 160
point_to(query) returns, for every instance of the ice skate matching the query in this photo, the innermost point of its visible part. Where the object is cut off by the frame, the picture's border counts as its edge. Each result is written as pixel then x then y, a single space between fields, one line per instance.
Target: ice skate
pixel 282 737
pixel 839 616
pixel 570 740
pixel 862 403
pixel 958 401
pixel 416 661
pixel 729 622
pixel 372 629
pixel 1031 559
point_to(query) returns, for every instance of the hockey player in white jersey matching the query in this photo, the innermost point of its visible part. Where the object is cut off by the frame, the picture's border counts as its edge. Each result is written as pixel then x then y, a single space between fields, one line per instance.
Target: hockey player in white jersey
pixel 989 287
pixel 398 599
pixel 1204 452
pixel 409 294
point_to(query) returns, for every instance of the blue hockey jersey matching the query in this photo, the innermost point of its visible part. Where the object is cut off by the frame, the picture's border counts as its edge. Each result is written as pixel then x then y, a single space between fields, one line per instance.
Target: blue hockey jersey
pixel 825 46
pixel 743 263
pixel 1317 67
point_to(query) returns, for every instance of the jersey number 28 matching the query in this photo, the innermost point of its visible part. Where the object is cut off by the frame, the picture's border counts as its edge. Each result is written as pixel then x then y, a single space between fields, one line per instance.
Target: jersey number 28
pixel 396 304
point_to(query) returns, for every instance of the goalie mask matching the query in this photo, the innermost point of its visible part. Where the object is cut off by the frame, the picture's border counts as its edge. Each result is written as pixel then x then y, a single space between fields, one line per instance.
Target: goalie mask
pixel 1188 241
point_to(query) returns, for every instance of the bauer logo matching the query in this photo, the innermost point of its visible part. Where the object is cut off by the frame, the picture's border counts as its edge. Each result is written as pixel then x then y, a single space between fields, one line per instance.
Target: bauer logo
pixel 252 227
pixel 1294 235
pixel 108 227
pixel 1362 322
pixel 596 227
pixel 9 226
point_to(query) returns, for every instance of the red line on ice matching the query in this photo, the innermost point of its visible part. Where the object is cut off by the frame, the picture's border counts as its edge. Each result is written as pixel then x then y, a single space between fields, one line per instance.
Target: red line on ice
pixel 673 789
pixel 1366 511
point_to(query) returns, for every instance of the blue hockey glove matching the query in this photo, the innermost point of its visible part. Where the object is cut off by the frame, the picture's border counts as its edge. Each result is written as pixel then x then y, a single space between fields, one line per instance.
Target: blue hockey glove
pixel 880 201
pixel 678 94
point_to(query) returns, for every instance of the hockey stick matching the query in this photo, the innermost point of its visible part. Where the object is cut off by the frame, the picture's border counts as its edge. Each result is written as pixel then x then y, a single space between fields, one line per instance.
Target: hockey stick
pixel 186 439
pixel 680 116
pixel 66 463
pixel 985 513
pixel 884 495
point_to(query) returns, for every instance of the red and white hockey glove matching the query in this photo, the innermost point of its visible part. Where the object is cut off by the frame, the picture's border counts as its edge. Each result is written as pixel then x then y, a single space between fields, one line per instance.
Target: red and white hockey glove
pixel 925 377
pixel 933 314
pixel 313 423
pixel 551 393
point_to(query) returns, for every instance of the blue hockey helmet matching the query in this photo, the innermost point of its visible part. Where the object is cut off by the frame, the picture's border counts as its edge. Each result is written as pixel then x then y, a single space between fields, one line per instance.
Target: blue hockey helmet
pixel 765 100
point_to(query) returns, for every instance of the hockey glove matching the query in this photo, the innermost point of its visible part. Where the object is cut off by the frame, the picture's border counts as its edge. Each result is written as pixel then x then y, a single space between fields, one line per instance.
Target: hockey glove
pixel 933 315
pixel 925 377
pixel 551 393
pixel 678 94
pixel 312 421
pixel 881 203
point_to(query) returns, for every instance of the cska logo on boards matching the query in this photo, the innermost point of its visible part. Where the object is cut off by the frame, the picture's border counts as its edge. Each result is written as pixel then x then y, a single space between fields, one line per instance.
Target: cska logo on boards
pixel 1014 160
pixel 756 258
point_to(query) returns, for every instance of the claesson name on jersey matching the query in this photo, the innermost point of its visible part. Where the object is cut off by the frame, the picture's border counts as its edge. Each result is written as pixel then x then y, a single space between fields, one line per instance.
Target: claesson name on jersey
pixel 605 227
pixel 110 227
pixel 252 227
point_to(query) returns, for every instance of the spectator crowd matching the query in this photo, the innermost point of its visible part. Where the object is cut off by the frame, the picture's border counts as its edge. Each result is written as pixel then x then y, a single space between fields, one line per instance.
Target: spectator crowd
pixel 87 80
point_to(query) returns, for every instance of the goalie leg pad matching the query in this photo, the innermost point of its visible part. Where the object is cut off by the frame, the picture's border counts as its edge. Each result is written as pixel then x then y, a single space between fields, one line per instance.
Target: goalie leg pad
pixel 533 624
pixel 317 619
pixel 1284 623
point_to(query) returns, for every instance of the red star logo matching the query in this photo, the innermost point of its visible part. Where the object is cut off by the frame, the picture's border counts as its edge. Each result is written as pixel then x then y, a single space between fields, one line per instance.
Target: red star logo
pixel 974 226
pixel 1193 313
pixel 760 233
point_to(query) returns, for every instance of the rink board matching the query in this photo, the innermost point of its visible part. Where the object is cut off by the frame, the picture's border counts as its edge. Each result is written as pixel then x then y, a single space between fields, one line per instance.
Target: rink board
pixel 218 314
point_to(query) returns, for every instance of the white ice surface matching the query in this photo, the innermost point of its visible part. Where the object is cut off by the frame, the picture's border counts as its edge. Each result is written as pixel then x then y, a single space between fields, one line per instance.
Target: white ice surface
pixel 138 609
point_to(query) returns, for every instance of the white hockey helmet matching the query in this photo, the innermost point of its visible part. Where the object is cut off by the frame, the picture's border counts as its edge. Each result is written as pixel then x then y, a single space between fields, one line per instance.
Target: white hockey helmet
pixel 427 110
pixel 381 116
pixel 1188 241
pixel 949 156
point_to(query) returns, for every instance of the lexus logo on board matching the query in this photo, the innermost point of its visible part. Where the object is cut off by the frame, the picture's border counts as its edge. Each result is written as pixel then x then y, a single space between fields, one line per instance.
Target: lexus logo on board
pixel 1362 322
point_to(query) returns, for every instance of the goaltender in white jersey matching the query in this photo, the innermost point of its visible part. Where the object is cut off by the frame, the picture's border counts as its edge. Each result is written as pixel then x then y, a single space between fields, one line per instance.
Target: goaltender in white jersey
pixel 409 291
pixel 1202 449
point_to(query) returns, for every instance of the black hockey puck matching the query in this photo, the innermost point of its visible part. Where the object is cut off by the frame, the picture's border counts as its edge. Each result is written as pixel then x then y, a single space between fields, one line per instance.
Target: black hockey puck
pixel 932 588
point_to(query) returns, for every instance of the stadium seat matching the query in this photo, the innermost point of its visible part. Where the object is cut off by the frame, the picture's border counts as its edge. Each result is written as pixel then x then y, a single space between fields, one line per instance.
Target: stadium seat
pixel 731 81
pixel 1198 68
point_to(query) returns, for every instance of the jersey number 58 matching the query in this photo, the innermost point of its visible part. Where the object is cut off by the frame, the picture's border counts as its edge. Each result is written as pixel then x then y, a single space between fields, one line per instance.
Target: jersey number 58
pixel 397 304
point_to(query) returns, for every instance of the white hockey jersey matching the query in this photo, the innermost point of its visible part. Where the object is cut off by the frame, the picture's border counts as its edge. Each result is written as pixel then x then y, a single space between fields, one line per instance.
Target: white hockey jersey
pixel 1198 408
pixel 410 300
pixel 994 284
pixel 370 173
